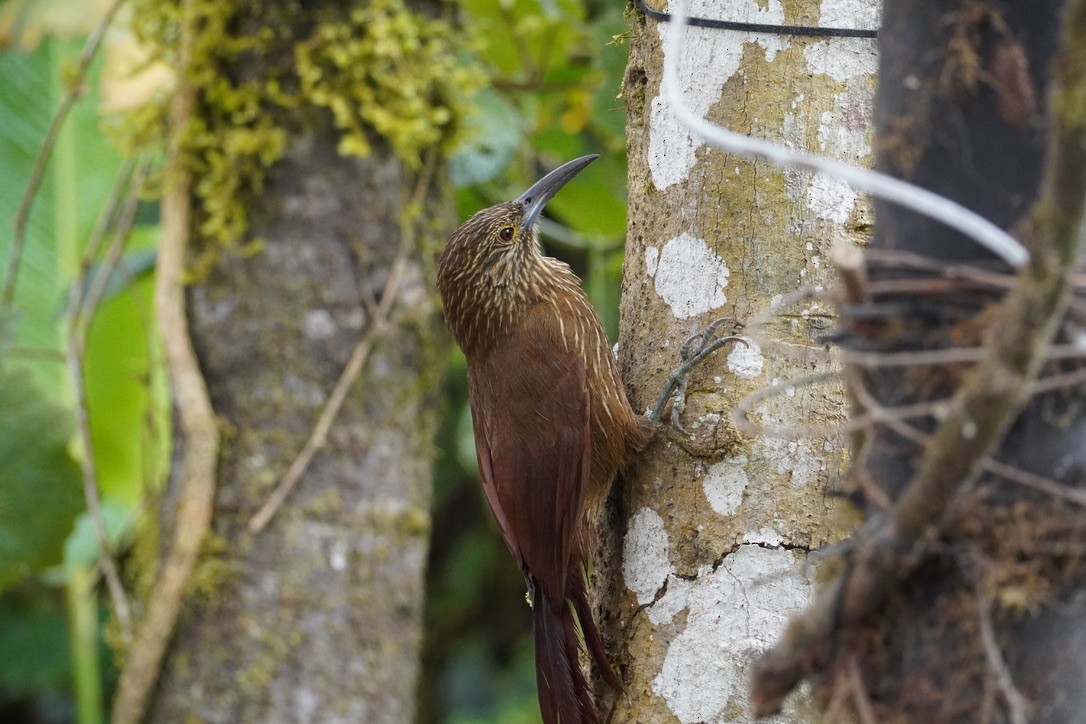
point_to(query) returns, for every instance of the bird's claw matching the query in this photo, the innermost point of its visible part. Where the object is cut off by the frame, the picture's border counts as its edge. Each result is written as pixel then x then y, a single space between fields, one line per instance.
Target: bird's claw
pixel 696 348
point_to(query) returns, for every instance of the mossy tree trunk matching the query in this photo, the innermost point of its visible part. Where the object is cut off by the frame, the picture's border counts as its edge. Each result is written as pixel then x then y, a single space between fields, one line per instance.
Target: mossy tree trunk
pixel 318 616
pixel 714 526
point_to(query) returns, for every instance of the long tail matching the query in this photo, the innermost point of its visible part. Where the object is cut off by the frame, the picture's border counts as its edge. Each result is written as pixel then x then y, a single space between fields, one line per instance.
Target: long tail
pixel 575 591
pixel 564 695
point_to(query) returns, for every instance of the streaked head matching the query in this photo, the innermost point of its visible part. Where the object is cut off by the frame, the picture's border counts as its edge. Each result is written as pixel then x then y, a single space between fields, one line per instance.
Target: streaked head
pixel 488 246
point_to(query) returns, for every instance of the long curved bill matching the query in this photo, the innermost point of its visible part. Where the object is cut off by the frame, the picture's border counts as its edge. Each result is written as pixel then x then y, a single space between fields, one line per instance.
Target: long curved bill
pixel 534 199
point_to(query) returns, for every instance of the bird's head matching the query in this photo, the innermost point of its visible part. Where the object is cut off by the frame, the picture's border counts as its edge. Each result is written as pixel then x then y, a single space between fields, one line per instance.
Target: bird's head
pixel 494 244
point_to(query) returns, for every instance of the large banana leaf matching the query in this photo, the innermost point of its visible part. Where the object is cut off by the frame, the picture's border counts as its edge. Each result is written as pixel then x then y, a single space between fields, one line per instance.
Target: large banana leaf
pixel 119 366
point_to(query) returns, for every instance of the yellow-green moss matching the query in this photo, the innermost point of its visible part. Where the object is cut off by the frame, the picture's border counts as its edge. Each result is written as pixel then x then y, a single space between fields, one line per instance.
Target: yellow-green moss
pixel 212 568
pixel 380 70
pixel 386 69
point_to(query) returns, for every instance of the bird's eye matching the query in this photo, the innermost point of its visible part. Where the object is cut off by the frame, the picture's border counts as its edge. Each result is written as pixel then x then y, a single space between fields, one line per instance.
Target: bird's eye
pixel 506 234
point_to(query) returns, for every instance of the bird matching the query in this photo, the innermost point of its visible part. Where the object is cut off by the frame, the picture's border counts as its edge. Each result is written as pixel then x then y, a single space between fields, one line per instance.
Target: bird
pixel 553 425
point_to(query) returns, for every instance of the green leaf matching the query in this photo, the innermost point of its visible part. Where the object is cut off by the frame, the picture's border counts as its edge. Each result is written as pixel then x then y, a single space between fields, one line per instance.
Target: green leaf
pixel 78 179
pixel 594 201
pixel 7 331
pixel 81 548
pixel 34 642
pixel 492 136
pixel 127 396
pixel 40 484
pixel 121 377
pixel 133 266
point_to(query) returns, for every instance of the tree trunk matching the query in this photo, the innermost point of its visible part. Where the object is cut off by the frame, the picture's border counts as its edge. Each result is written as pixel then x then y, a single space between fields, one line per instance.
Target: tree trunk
pixel 318 616
pixel 989 626
pixel 709 559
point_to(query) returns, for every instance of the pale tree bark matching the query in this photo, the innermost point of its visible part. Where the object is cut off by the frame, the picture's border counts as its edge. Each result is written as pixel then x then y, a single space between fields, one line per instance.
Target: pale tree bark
pixel 317 617
pixel 713 530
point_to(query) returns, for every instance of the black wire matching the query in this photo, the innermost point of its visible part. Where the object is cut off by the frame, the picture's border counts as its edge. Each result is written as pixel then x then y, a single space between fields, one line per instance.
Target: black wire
pixel 760 27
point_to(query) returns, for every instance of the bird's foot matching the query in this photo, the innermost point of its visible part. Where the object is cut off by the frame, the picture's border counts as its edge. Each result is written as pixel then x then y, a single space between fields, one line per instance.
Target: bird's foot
pixel 696 348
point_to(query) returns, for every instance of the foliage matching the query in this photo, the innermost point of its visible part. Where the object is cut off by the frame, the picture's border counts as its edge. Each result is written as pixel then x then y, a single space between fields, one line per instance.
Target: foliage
pixel 41 498
pixel 34 641
pixel 40 491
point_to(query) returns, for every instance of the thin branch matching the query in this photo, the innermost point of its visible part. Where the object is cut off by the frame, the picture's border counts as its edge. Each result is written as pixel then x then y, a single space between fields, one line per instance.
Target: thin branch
pixel 1066 380
pixel 860 700
pixel 949 356
pixel 892 418
pixel 75 92
pixel 1017 705
pixel 888 188
pixel 1007 472
pixel 199 428
pixel 79 317
pixel 319 434
pixel 379 318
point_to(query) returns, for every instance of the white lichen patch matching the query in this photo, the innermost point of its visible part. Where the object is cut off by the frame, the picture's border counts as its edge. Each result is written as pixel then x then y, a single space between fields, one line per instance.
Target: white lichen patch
pixel 746 360
pixel 645 560
pixel 766 536
pixel 318 324
pixel 709 59
pixel 830 199
pixel 725 483
pixel 652 257
pixel 864 14
pixel 796 458
pixel 337 556
pixel 690 277
pixel 841 139
pixel 733 614
pixel 839 62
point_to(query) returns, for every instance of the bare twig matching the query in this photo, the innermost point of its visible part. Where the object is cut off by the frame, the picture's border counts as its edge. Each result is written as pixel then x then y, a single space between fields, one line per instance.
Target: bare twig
pixel 860 701
pixel 379 316
pixel 1008 472
pixel 79 315
pixel 37 174
pixel 949 356
pixel 1017 705
pixel 199 427
pixel 833 711
pixel 1066 380
pixel 351 370
pixel 895 417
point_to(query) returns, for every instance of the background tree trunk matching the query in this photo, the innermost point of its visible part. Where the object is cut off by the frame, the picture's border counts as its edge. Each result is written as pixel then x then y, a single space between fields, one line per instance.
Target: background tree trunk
pixel 715 525
pixel 989 628
pixel 317 617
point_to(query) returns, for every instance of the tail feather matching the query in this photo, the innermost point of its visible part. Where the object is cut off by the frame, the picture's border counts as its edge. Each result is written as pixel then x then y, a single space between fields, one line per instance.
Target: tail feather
pixel 575 590
pixel 564 695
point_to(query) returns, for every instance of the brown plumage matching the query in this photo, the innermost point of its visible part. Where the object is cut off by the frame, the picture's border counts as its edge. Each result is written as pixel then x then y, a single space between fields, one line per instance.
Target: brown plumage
pixel 551 419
